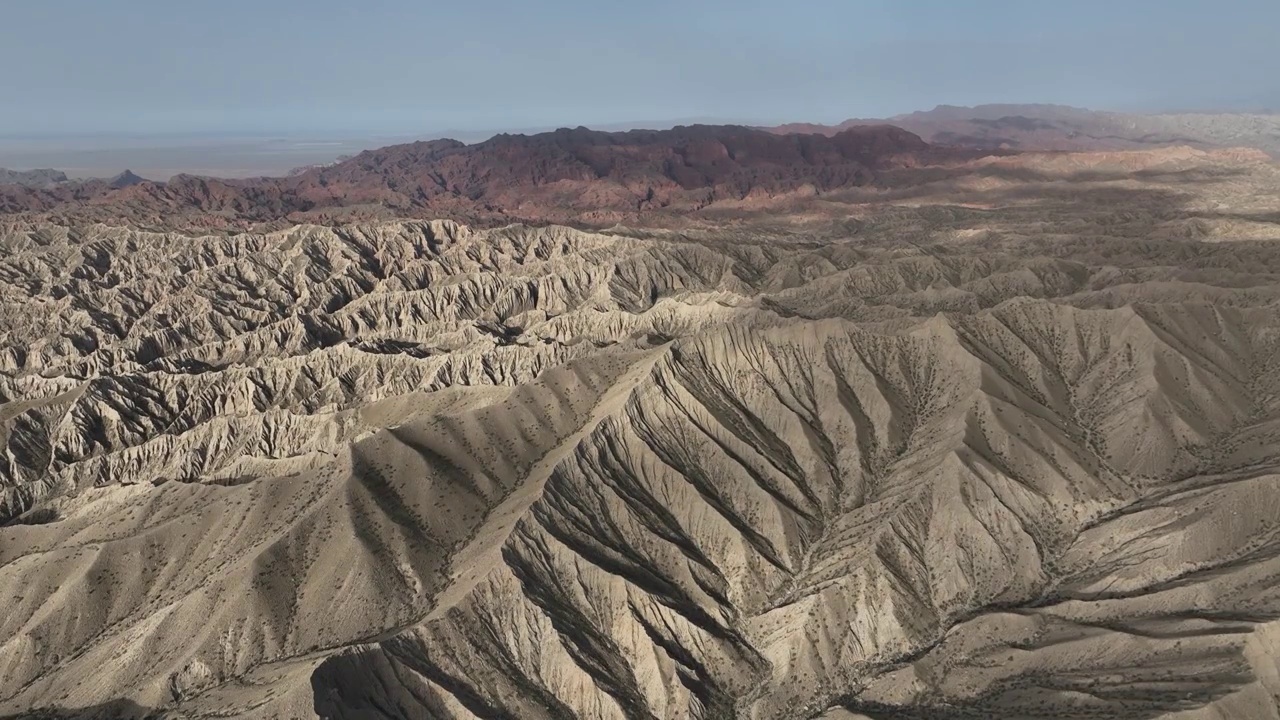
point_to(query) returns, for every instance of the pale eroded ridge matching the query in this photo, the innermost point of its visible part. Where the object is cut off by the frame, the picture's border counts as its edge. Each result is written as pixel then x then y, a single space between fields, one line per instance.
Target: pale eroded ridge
pixel 539 473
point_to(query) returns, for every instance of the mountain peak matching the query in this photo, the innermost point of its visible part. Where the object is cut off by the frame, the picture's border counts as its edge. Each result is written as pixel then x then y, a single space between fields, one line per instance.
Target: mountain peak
pixel 126 179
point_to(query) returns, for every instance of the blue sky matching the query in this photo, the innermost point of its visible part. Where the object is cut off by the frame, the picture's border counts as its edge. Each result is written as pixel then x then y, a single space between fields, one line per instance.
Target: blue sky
pixel 400 66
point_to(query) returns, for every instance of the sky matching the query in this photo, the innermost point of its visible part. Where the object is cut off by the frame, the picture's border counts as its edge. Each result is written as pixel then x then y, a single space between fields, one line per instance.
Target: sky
pixel 414 66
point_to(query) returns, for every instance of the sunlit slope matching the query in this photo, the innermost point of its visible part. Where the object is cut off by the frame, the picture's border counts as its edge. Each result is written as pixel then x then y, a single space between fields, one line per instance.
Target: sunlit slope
pixel 168 590
pixel 745 523
pixel 778 518
pixel 130 356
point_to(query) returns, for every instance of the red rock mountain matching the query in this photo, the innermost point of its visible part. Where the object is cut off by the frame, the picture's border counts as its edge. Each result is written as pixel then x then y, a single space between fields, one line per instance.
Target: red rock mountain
pixel 570 175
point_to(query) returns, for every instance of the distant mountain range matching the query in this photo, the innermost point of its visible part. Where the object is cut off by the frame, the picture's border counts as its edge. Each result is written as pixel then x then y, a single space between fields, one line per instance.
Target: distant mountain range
pixel 32 178
pixel 48 179
pixel 569 175
pixel 590 177
pixel 1060 127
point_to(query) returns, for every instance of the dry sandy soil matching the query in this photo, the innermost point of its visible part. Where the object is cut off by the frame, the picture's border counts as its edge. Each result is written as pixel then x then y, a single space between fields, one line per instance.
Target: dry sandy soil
pixel 1002 441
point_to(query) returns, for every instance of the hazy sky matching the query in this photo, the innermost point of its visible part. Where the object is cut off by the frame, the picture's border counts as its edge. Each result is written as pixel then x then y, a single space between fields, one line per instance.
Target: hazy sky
pixel 416 65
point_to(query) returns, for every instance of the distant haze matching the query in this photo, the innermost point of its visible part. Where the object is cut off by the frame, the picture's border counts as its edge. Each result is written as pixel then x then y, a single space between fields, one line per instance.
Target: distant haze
pixel 224 154
pixel 239 88
pixel 404 67
pixel 161 156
